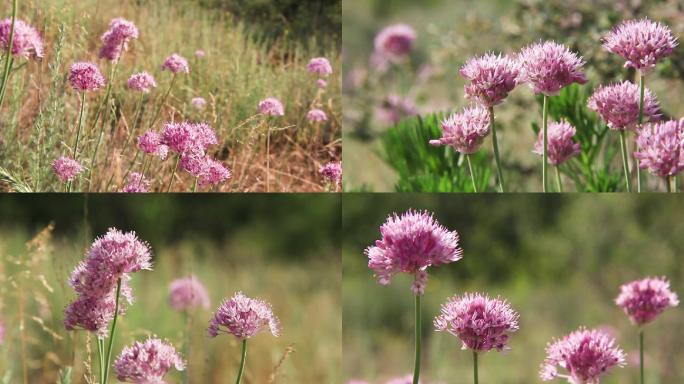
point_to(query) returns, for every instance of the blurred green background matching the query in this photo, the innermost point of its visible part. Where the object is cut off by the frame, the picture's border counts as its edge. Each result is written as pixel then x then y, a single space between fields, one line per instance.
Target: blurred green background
pixel 281 248
pixel 559 260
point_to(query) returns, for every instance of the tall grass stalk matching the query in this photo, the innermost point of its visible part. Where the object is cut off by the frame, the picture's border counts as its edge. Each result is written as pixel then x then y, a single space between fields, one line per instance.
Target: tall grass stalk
pixel 9 60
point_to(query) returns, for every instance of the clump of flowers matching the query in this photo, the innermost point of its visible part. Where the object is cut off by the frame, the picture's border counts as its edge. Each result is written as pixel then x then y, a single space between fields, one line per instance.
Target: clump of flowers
pixel 26 42
pixel 150 143
pixel 395 41
pixel 66 168
pixel 316 115
pixel 642 43
pixel 185 136
pixel 332 172
pixel 147 362
pixel 85 76
pixel 272 107
pixel 549 67
pixel 198 102
pixel 661 148
pixel 585 355
pixel 243 318
pixel 137 183
pixel 141 82
pixel 618 105
pixel 115 40
pixel 561 147
pixel 176 64
pixel 643 300
pixel 187 293
pixel 491 78
pixel 465 131
pixel 320 66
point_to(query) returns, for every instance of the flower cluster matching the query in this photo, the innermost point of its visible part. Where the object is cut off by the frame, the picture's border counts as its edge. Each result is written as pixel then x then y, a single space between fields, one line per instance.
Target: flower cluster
pixel 198 103
pixel 85 76
pixel 115 40
pixel 491 78
pixel 137 183
pixel 26 42
pixel 643 300
pixel 141 82
pixel 176 64
pixel 560 145
pixel 320 66
pixel 395 41
pixel 66 168
pixel 661 148
pixel 480 322
pixel 187 293
pixel 200 54
pixel 147 362
pixel 243 318
pixel 465 131
pixel 272 107
pixel 411 243
pixel 332 172
pixel 641 43
pixel 618 105
pixel 549 67
pixel 316 115
pixel 150 143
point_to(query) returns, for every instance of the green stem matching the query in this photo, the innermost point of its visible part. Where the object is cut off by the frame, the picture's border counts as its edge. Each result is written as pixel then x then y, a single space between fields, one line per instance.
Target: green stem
pixel 268 158
pixel 625 165
pixel 495 143
pixel 108 91
pixel 472 175
pixel 641 120
pixel 136 117
pixel 175 166
pixel 108 358
pixel 668 183
pixel 545 118
pixel 194 185
pixel 416 367
pixel 641 355
pixel 558 180
pixel 80 125
pixel 8 55
pixel 166 95
pixel 100 351
pixel 242 361
pixel 475 377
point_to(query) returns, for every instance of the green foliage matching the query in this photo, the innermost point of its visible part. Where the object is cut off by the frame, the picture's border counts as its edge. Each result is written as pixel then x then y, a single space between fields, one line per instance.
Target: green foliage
pixel 65 376
pixel 422 167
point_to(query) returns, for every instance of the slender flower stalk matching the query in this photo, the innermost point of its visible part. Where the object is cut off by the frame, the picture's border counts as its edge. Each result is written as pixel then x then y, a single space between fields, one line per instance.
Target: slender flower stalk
pixel 418 331
pixel 495 144
pixel 8 56
pixel 242 361
pixel 472 174
pixel 103 106
pixel 641 355
pixel 475 378
pixel 108 357
pixel 625 163
pixel 558 179
pixel 163 101
pixel 173 174
pixel 80 124
pixel 642 80
pixel 545 153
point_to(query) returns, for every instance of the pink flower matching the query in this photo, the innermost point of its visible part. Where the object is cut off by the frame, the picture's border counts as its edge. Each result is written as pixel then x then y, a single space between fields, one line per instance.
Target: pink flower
pixel 481 323
pixel 85 76
pixel 142 82
pixel 150 142
pixel 213 173
pixel 643 300
pixel 395 41
pixel 411 243
pixel 332 172
pixel 396 108
pixel 321 83
pixel 92 314
pixel 548 67
pixel 618 105
pixel 200 54
pixel 641 43
pixel 185 136
pixel 243 318
pixel 660 148
pixel 491 78
pixel 465 131
pixel 137 183
pixel 147 362
pixel 408 379
pixel 26 43
pixel 560 145
pixel 176 64
pixel 584 354
pixel 187 293
pixel 320 65
pixel 316 115
pixel 115 40
pixel 66 168
pixel 271 106
pixel 198 102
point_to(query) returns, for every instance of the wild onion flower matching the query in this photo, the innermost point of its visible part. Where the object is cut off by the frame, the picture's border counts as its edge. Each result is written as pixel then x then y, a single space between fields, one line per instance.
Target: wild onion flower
pixel 198 103
pixel 26 43
pixel 618 105
pixel 549 67
pixel 585 355
pixel 66 168
pixel 465 131
pixel 85 76
pixel 137 183
pixel 410 244
pixel 332 172
pixel 321 83
pixel 91 314
pixel 320 66
pixel 176 64
pixel 660 148
pixel 643 300
pixel 395 108
pixel 147 362
pixel 395 41
pixel 271 106
pixel 150 143
pixel 316 115
pixel 560 145
pixel 491 78
pixel 142 82
pixel 641 43
pixel 213 173
pixel 187 293
pixel 243 318
pixel 184 136
pixel 115 40
pixel 200 54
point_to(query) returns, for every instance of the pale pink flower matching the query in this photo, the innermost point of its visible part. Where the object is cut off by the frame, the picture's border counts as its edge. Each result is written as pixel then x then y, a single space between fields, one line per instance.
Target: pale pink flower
pixel 660 148
pixel 320 66
pixel 176 64
pixel 213 173
pixel 465 131
pixel 66 168
pixel 271 106
pixel 187 293
pixel 198 103
pixel 321 83
pixel 85 76
pixel 200 54
pixel 150 142
pixel 137 183
pixel 147 362
pixel 115 40
pixel 316 115
pixel 549 67
pixel 395 41
pixel 618 105
pixel 142 82
pixel 243 318
pixel 643 300
pixel 26 43
pixel 560 145
pixel 332 172
pixel 491 78
pixel 641 43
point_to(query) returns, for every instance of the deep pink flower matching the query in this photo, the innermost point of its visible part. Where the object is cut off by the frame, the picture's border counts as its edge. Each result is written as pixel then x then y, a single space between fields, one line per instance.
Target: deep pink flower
pixel 176 64
pixel 332 172
pixel 618 105
pixel 91 314
pixel 187 293
pixel 585 355
pixel 465 131
pixel 150 142
pixel 137 183
pixel 316 115
pixel 198 102
pixel 243 318
pixel 395 108
pixel 549 67
pixel 411 243
pixel 213 173
pixel 641 43
pixel 142 82
pixel 560 145
pixel 200 54
pixel 481 323
pixel 185 136
pixel 321 83
pixel 491 78
pixel 320 66
pixel 193 161
pixel 395 41
pixel 66 168
pixel 26 43
pixel 115 40
pixel 271 106
pixel 85 76
pixel 147 362
pixel 643 300
pixel 660 148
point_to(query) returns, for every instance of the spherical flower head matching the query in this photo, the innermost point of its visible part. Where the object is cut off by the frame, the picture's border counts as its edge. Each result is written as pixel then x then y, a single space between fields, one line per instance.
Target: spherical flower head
pixel 491 78
pixel 272 107
pixel 213 173
pixel 185 136
pixel 92 314
pixel 560 147
pixel 200 54
pixel 320 66
pixel 394 108
pixel 411 243
pixel 584 354
pixel 147 362
pixel 150 142
pixel 243 318
pixel 643 300
pixel 115 39
pixel 118 253
pixel 321 83
pixel 465 131
pixel 618 105
pixel 548 67
pixel 188 293
pixel 480 322
pixel 193 161
pixel 660 148
pixel 26 43
pixel 316 116
pixel 395 41
pixel 142 82
pixel 137 183
pixel 85 76
pixel 198 102
pixel 66 168
pixel 641 43
pixel 176 64
pixel 332 172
